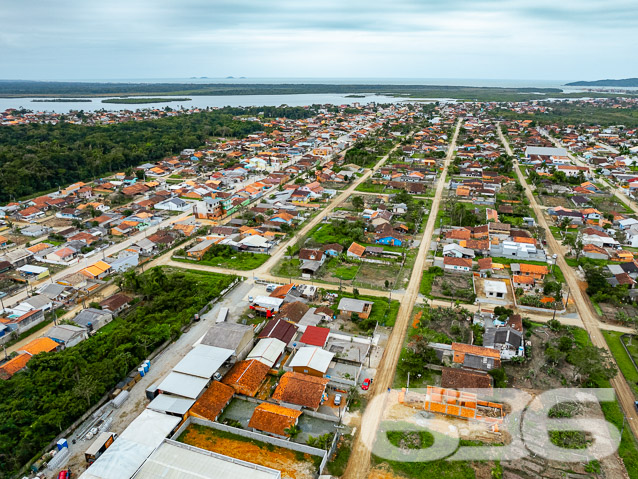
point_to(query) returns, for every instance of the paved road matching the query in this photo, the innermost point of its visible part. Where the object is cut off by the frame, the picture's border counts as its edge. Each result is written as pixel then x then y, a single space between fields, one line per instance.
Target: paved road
pixel 75 267
pixel 359 463
pixel 583 305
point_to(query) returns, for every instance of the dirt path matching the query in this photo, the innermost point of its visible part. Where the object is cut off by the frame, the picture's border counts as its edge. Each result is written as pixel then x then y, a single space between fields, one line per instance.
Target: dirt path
pixel 583 305
pixel 359 463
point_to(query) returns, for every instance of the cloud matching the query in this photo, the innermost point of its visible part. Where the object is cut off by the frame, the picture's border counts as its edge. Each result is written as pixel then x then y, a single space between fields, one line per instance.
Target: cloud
pixel 329 38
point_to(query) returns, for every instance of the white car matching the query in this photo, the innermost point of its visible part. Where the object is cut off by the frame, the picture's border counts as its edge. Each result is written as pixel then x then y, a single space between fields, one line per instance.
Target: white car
pixel 270 288
pixel 337 399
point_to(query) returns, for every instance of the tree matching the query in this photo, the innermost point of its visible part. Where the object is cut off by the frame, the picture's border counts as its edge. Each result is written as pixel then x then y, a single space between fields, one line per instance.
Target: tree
pixel 293 431
pixel 592 364
pixel 358 202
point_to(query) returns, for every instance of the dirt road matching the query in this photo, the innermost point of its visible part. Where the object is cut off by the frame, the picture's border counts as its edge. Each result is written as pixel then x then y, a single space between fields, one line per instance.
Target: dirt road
pixel 617 192
pixel 338 201
pixel 359 463
pixel 583 305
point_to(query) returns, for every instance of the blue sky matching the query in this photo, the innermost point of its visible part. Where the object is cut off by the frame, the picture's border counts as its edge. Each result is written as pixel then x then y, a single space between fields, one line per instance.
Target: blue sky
pixel 512 39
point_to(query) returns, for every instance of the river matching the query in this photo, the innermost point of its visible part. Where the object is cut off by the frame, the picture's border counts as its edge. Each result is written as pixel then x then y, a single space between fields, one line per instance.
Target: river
pixel 198 102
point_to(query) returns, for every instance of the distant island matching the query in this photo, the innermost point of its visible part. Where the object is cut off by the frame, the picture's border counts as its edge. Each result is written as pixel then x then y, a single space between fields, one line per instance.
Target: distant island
pixel 139 101
pixel 626 82
pixel 355 96
pixel 61 100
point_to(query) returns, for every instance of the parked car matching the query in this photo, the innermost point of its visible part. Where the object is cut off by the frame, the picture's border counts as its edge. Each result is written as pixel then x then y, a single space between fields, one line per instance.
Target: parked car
pixel 270 288
pixel 217 377
pixel 337 399
pixel 250 299
pixel 366 384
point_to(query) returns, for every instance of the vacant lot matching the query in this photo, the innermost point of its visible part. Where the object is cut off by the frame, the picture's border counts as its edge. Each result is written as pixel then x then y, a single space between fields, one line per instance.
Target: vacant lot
pixel 554 201
pixel 453 286
pixel 292 464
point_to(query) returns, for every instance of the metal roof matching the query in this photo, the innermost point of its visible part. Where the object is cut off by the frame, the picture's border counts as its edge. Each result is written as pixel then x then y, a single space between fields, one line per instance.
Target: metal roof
pixel 171 404
pixel 313 358
pixel 183 385
pixel 203 361
pixel 267 351
pixel 173 460
pixel 125 456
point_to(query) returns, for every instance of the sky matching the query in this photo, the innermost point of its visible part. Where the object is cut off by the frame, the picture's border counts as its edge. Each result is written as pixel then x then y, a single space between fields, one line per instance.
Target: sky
pixel 498 39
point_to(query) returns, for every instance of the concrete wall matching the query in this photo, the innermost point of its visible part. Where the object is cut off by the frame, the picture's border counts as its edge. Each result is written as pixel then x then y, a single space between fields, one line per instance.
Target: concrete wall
pixel 313 451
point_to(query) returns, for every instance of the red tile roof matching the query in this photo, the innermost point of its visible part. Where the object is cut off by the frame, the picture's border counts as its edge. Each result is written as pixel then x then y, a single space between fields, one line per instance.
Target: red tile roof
pixel 315 336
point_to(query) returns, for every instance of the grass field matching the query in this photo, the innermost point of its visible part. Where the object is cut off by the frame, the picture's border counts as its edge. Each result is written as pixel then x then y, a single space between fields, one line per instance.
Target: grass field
pixel 239 261
pixel 614 341
pixel 628 449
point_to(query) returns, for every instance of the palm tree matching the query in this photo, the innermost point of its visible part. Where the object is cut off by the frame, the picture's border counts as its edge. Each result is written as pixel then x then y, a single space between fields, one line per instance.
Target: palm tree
pixel 293 431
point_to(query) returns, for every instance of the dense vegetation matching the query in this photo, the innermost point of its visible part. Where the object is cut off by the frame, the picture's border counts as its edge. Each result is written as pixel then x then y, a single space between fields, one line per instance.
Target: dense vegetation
pixel 39 157
pixel 38 404
pixel 26 88
pixel 572 113
pixel 136 101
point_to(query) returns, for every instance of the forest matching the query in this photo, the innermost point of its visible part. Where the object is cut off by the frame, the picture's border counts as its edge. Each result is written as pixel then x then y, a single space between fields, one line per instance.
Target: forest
pixel 41 157
pixel 57 388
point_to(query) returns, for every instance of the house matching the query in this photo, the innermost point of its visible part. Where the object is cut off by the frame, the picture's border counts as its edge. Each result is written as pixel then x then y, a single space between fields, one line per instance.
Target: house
pixel 594 252
pixel 292 312
pixel 233 336
pixel 97 271
pixel 332 249
pixel 311 261
pixel 387 235
pixel 453 250
pixel 457 378
pixel 400 208
pixel 92 319
pixel 116 303
pixel 14 365
pixel 495 289
pixel 267 351
pixel 349 306
pixel 527 283
pixel 213 402
pixel 209 208
pixel 597 238
pixel 303 390
pixel 273 419
pixel 315 336
pixel 66 334
pixel 40 345
pixel 485 265
pixel 279 329
pixel 505 339
pixel 476 357
pixel 457 264
pixel 311 360
pixel 538 272
pixel 355 251
pixel 246 377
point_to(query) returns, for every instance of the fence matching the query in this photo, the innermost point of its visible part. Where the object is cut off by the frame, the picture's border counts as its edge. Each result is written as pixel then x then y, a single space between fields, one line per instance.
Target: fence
pixel 313 451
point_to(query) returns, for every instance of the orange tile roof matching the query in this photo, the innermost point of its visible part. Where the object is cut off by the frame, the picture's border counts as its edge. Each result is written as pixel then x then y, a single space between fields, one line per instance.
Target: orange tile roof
pixel 520 279
pixel 356 249
pixel 14 365
pixel 300 389
pixel 273 419
pixel 476 350
pixel 36 248
pixel 214 399
pixel 533 268
pixel 40 345
pixel 245 377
